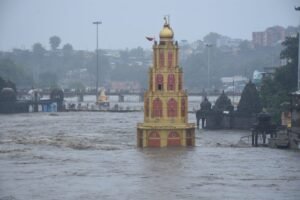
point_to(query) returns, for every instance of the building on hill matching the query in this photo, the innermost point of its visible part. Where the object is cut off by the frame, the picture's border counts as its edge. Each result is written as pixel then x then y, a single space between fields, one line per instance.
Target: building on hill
pixel 271 36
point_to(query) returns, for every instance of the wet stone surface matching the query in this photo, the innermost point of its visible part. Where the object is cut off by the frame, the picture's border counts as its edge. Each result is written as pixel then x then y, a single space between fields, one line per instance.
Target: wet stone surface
pixel 91 156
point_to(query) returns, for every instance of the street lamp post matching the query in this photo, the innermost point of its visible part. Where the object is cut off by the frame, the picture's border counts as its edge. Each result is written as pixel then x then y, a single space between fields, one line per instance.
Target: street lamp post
pixel 298 79
pixel 208 65
pixel 97 73
pixel 298 61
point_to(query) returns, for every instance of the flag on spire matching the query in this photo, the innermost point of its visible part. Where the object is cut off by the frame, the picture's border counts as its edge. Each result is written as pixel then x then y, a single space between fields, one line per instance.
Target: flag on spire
pixel 150 38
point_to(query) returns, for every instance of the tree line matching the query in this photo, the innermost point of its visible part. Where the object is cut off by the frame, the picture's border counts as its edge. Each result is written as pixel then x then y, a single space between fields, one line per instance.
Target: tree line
pixel 62 65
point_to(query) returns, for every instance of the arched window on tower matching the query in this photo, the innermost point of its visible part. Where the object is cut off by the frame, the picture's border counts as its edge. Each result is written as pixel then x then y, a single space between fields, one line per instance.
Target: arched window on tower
pixel 172 108
pixel 147 107
pixel 159 82
pixel 171 82
pixel 157 108
pixel 161 58
pixel 183 107
pixel 170 59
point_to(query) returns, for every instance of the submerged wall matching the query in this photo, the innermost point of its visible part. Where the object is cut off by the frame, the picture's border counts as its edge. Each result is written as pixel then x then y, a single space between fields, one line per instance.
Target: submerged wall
pixel 229 121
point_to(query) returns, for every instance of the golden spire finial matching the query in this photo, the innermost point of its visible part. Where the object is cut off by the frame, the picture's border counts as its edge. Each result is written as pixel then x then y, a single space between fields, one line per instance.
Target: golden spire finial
pixel 166 32
pixel 167 20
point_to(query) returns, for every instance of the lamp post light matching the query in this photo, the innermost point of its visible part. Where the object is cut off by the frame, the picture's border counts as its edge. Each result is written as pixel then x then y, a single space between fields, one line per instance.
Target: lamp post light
pixel 97 52
pixel 208 65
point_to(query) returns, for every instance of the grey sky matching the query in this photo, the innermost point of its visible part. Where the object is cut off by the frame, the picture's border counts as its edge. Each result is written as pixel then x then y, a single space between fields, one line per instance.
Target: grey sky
pixel 127 22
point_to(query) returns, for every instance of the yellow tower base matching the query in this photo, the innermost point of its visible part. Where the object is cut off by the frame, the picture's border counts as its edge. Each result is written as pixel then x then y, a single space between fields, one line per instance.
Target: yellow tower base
pixel 164 136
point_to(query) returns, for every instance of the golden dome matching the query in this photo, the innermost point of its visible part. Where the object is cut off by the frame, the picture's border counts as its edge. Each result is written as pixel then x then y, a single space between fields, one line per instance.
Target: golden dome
pixel 166 32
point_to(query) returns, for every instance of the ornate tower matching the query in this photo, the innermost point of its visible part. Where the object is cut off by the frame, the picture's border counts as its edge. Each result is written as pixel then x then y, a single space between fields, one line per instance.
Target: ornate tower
pixel 165 102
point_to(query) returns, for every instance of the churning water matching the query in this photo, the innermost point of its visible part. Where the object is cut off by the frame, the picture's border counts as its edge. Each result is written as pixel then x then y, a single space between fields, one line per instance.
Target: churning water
pixel 92 156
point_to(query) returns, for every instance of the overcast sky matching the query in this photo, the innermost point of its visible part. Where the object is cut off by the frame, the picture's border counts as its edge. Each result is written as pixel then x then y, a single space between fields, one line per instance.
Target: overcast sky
pixel 127 22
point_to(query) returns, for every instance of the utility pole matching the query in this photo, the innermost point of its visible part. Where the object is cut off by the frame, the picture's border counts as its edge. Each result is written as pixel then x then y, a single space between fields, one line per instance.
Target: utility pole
pixel 208 65
pixel 97 52
pixel 298 83
pixel 233 92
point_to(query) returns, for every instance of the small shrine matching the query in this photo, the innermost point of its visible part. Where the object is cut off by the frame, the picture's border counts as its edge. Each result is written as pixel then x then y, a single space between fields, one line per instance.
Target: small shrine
pixel 165 101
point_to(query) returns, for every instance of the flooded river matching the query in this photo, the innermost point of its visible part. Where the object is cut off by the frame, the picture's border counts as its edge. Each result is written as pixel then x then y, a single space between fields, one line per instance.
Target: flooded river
pixel 92 156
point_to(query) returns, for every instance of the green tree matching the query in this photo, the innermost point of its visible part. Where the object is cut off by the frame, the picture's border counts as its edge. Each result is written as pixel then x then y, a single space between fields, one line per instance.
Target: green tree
pixel 10 71
pixel 38 54
pixel 54 42
pixel 250 101
pixel 275 90
pixel 223 103
pixel 211 38
pixel 287 75
pixel 38 49
pixel 67 50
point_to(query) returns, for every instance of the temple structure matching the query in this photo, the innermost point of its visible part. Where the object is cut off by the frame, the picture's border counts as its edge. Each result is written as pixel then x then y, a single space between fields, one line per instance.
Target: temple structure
pixel 165 102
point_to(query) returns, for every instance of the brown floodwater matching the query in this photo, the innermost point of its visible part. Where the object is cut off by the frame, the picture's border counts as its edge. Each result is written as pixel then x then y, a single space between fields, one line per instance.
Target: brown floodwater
pixel 92 156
